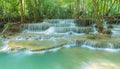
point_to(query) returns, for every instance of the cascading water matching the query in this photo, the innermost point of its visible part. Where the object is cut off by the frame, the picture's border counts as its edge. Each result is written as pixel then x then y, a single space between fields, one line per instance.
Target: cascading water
pixel 35 27
pixel 57 30
pixel 35 34
pixel 94 29
pixel 59 44
pixel 116 31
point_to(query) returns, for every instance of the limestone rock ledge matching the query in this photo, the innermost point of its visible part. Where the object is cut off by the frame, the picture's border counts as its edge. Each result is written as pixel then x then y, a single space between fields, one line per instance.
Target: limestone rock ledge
pixel 34 45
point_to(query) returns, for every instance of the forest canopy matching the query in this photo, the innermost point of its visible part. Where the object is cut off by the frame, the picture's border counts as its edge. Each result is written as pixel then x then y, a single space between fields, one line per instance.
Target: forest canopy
pixel 37 10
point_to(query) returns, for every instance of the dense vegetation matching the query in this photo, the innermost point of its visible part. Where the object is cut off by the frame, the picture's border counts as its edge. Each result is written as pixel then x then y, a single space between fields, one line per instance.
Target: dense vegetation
pixel 25 11
pixel 37 10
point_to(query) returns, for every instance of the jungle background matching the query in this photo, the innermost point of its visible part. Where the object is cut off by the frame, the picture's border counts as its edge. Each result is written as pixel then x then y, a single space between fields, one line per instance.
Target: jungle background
pixel 29 11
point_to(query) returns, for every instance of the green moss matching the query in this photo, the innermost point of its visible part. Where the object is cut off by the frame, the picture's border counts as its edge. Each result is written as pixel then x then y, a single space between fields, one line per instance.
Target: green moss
pixel 90 37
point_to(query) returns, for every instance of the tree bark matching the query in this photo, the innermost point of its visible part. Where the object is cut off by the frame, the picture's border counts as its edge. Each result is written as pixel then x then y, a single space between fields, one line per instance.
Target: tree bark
pixel 22 11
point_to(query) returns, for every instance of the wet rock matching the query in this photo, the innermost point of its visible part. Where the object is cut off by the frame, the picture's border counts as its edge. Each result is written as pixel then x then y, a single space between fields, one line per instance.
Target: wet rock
pixel 14 49
pixel 107 31
pixel 100 45
pixel 83 30
pixel 116 45
pixel 110 26
pixel 79 42
pixel 84 22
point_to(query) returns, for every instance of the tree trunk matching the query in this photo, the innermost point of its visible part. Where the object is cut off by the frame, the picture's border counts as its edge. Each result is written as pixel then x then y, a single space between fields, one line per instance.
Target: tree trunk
pixel 22 11
pixel 99 24
pixel 36 12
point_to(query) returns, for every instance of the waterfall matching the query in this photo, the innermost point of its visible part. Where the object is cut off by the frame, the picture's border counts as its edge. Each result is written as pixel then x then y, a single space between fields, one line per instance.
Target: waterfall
pixel 116 31
pixel 105 24
pixel 54 26
pixel 50 30
pixel 94 29
pixel 35 27
pixel 59 33
pixel 99 46
pixel 110 45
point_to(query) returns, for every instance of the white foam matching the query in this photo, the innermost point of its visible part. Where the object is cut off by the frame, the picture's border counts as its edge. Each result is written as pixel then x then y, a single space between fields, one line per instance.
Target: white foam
pixel 94 29
pixel 89 47
pixel 50 30
pixel 54 49
pixel 111 50
pixel 105 49
pixel 35 52
pixel 49 50
pixel 5 49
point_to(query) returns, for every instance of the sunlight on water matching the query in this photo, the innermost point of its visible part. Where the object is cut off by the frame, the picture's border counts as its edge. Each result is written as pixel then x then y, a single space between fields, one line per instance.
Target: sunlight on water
pixel 101 64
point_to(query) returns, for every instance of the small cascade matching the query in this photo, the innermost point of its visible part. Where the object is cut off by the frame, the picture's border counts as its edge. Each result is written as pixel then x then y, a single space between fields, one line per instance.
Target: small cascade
pixel 88 44
pixel 110 45
pixel 73 29
pixel 53 35
pixel 4 49
pixel 94 29
pixel 50 30
pixel 35 27
pixel 98 45
pixel 62 25
pixel 54 26
pixel 116 31
pixel 105 25
pixel 60 22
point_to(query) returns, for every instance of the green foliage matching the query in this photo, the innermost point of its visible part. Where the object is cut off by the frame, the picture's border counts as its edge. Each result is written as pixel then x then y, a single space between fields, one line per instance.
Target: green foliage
pixel 91 37
pixel 50 9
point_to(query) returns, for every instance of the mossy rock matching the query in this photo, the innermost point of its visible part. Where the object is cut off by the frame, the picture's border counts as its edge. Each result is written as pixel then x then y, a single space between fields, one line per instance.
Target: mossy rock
pixel 107 31
pixel 98 36
pixel 110 26
pixel 84 22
